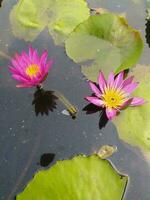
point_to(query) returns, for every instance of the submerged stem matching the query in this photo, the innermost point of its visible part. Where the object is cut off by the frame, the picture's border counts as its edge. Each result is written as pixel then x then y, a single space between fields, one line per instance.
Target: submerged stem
pixel 4 55
pixel 71 108
pixel 27 166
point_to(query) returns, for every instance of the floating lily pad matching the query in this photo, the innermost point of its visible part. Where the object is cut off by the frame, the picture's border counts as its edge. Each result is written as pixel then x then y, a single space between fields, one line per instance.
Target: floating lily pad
pixel 29 18
pixel 137 1
pixel 82 178
pixel 133 124
pixel 66 15
pixel 107 42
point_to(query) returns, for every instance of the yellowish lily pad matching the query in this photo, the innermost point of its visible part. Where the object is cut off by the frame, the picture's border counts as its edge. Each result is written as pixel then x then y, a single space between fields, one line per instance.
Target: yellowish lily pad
pixel 28 18
pixel 81 178
pixel 133 124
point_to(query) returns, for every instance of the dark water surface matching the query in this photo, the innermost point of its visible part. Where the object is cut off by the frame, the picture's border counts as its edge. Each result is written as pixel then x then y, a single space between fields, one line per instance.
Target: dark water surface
pixel 25 137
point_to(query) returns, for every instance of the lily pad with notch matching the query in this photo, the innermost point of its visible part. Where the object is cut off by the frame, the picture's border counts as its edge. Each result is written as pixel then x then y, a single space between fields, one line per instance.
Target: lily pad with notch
pixel 108 41
pixel 29 18
pixel 81 178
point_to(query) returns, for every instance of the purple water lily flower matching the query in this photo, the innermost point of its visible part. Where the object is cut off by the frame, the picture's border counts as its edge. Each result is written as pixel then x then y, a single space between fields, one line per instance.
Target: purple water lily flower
pixel 30 69
pixel 114 94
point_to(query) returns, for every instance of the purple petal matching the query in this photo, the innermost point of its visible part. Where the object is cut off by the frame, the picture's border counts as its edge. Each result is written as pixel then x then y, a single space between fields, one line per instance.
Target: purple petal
pixel 111 79
pixel 101 81
pixel 96 101
pixel 111 113
pixel 95 89
pixel 119 79
pixel 126 103
pixel 127 81
pixel 137 101
pixel 130 88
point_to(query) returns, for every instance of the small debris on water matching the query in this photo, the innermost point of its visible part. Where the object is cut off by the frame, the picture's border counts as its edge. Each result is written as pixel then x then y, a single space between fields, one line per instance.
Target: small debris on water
pixel 46 159
pixel 65 112
pixel 106 151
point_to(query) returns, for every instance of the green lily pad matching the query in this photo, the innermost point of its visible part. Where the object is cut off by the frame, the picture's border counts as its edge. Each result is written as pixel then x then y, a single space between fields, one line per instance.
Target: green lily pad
pixel 137 1
pixel 65 17
pixel 133 124
pixel 29 18
pixel 81 178
pixel 107 42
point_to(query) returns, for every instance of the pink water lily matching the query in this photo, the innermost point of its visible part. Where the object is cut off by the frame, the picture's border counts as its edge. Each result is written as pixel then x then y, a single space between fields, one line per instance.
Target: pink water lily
pixel 114 94
pixel 30 69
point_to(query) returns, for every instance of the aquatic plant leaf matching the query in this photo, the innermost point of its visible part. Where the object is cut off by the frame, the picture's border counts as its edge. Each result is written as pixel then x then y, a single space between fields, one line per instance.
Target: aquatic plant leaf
pixel 137 1
pixel 107 42
pixel 148 13
pixel 133 124
pixel 81 178
pixel 66 15
pixel 29 18
pixel 1 3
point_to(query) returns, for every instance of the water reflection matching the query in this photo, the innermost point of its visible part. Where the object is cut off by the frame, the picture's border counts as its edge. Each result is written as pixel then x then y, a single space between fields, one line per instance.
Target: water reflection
pixel 147 32
pixel 1 3
pixel 44 101
pixel 46 159
pixel 91 109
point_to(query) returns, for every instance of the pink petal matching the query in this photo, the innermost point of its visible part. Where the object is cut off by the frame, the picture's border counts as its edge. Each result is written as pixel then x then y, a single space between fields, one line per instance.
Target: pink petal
pixel 111 79
pixel 111 113
pixel 19 78
pixel 31 50
pixel 127 81
pixel 137 101
pixel 35 57
pixel 17 57
pixel 130 88
pixel 21 62
pixel 126 103
pixel 101 81
pixel 25 60
pixel 119 79
pixel 23 85
pixel 14 70
pixel 44 57
pixel 14 62
pixel 95 89
pixel 94 100
pixel 49 65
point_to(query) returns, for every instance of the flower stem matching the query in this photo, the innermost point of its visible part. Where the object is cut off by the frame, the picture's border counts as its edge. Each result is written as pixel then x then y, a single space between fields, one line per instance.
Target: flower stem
pixel 71 108
pixel 4 55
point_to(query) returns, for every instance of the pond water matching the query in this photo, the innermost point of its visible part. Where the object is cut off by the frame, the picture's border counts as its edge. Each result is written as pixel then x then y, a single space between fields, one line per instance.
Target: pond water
pixel 28 141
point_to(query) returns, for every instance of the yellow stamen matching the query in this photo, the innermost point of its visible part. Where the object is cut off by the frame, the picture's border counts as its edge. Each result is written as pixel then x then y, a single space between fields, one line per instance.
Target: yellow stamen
pixel 32 70
pixel 113 98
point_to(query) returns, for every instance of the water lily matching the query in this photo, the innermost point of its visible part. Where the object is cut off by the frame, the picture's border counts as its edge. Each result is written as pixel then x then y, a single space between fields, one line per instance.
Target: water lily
pixel 30 69
pixel 114 94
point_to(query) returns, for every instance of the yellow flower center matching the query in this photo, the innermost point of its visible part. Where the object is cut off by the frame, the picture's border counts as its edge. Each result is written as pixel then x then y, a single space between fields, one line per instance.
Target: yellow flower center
pixel 113 98
pixel 32 70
